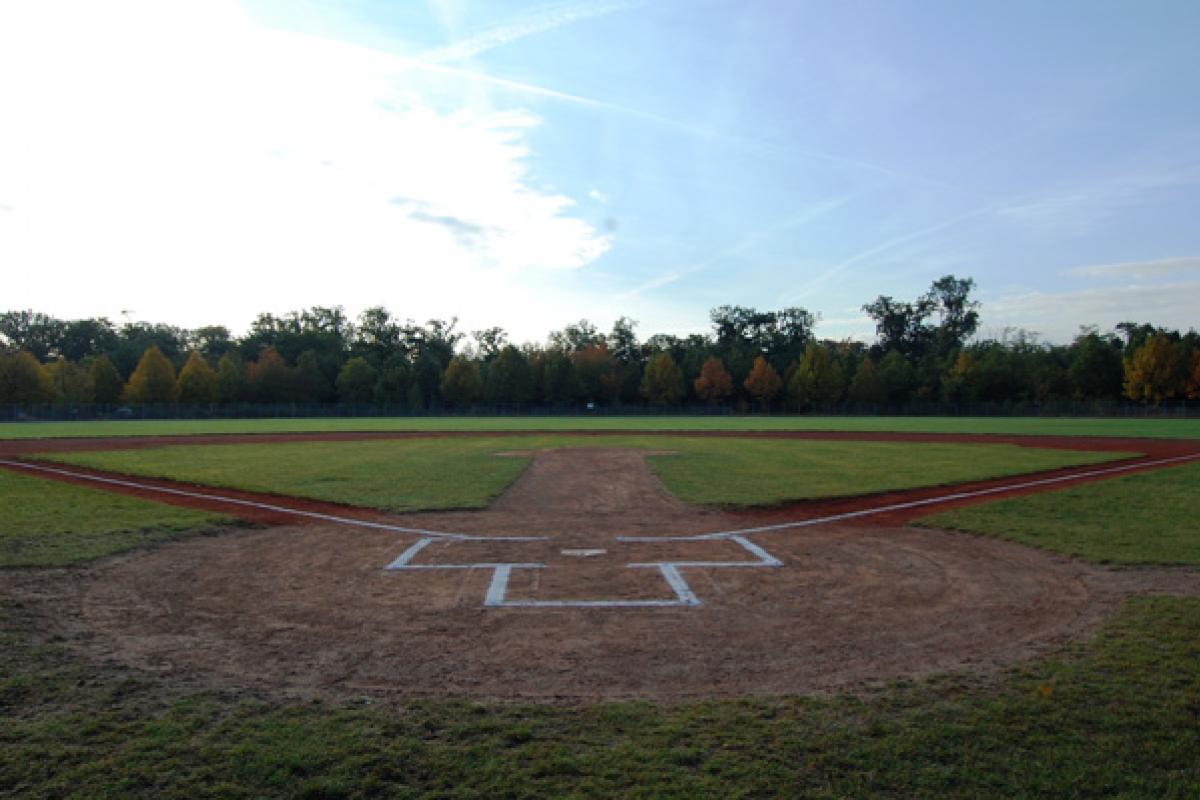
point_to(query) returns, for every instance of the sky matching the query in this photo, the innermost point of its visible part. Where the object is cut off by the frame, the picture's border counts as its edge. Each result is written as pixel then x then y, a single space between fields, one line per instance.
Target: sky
pixel 529 164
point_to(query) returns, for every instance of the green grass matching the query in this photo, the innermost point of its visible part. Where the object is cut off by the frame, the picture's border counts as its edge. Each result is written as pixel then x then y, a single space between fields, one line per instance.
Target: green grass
pixel 1037 426
pixel 46 523
pixel 425 474
pixel 1118 717
pixel 1149 518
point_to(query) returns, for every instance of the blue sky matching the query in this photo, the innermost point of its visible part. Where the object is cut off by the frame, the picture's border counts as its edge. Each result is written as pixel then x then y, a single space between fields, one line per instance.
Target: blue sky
pixel 528 164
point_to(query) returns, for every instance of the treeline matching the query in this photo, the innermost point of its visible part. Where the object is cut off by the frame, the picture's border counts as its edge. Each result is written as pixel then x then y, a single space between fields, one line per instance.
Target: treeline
pixel 925 353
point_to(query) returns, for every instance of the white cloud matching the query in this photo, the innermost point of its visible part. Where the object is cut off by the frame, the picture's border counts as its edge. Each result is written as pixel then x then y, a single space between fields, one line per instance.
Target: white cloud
pixel 1138 269
pixel 198 168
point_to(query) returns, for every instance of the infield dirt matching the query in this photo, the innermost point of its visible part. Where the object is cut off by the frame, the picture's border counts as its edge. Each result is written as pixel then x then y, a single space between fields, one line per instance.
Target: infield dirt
pixel 311 609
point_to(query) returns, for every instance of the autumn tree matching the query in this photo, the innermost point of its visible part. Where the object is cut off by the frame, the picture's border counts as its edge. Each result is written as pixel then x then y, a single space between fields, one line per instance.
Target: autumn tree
pixel 107 384
pixel 269 379
pixel 1155 371
pixel 763 383
pixel 662 382
pixel 597 372
pixel 23 380
pixel 461 384
pixel 714 383
pixel 1193 389
pixel 197 383
pixel 817 380
pixel 153 380
pixel 356 381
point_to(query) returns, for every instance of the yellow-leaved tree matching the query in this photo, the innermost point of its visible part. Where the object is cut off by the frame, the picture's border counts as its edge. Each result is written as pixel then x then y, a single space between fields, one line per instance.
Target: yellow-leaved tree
pixel 153 381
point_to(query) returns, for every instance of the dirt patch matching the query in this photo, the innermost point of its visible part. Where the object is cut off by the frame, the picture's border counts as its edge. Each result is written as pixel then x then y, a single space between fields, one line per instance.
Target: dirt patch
pixel 311 609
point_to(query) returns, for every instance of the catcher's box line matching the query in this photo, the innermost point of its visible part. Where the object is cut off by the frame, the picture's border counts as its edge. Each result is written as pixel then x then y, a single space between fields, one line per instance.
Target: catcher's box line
pixel 263 506
pixel 928 501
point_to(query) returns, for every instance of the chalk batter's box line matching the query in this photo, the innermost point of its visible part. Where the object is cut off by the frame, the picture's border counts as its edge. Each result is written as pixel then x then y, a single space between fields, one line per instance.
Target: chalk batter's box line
pixel 497 592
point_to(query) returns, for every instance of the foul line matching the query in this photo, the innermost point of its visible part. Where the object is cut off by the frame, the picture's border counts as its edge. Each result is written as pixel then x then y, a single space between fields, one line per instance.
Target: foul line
pixel 265 506
pixel 929 501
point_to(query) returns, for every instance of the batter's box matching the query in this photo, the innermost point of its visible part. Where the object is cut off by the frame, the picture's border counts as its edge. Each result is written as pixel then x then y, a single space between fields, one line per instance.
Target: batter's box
pixel 594 576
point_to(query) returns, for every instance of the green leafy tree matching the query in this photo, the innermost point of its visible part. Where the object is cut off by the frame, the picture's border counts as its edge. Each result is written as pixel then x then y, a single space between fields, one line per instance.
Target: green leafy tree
pixel 395 378
pixel 557 383
pixel 198 383
pixel 763 383
pixel 662 382
pixel 231 378
pixel 107 384
pixel 72 383
pixel 898 377
pixel 867 387
pixel 1096 371
pixel 509 377
pixel 598 373
pixel 356 382
pixel 153 380
pixel 461 384
pixel 715 383
pixel 23 380
pixel 817 380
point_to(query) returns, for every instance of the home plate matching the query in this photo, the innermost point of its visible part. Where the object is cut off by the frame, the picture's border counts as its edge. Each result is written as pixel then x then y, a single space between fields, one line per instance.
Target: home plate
pixel 584 552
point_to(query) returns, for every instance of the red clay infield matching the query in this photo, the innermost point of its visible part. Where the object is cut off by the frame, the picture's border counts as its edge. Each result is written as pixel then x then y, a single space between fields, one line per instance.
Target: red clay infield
pixel 310 608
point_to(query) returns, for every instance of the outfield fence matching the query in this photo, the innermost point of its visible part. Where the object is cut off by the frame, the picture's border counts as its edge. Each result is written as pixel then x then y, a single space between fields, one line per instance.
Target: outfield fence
pixel 1181 409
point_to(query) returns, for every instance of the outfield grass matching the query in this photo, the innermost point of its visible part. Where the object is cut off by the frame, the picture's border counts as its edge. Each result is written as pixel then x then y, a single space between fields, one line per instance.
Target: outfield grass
pixel 428 474
pixel 46 523
pixel 1113 718
pixel 1148 518
pixel 1036 426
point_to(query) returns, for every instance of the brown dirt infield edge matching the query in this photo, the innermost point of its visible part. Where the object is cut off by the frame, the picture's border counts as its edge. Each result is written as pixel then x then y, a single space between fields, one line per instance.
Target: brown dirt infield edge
pixel 307 609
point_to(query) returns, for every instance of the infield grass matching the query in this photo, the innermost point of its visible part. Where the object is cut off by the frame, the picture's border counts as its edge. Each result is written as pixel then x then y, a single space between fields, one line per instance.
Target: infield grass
pixel 1116 717
pixel 428 474
pixel 1034 426
pixel 1148 518
pixel 46 523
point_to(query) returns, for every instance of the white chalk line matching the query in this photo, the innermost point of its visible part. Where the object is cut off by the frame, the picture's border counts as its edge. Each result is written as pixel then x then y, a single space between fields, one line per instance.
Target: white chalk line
pixel 929 501
pixel 264 506
pixel 497 592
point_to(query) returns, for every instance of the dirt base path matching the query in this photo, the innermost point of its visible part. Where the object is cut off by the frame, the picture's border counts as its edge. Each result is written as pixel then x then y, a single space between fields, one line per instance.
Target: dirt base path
pixel 581 614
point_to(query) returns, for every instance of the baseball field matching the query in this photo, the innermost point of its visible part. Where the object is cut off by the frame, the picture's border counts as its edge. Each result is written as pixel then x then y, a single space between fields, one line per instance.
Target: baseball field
pixel 610 606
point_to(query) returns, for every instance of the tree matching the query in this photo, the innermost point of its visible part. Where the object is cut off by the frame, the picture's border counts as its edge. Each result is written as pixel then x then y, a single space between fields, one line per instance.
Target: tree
pixel 597 372
pixel 763 383
pixel 897 376
pixel 576 337
pixel 395 378
pixel 231 378
pixel 714 383
pixel 37 333
pixel 269 379
pixel 461 384
pixel 662 382
pixel 311 385
pixel 356 382
pixel 509 378
pixel 1193 387
pixel 107 384
pixel 198 383
pixel 1155 372
pixel 556 380
pixel 867 387
pixel 1096 371
pixel 72 383
pixel 817 380
pixel 23 380
pixel 153 380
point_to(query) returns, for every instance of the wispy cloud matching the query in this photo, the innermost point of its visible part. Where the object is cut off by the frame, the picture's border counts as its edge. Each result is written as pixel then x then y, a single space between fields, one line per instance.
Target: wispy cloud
pixel 537 21
pixel 653 283
pixel 1057 315
pixel 1078 209
pixel 1138 269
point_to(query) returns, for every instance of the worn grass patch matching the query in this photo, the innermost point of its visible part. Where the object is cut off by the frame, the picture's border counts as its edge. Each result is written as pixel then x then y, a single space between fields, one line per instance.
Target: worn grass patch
pixel 1148 518
pixel 1035 426
pixel 427 474
pixel 46 523
pixel 1114 718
